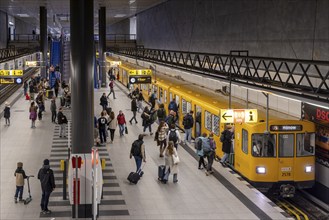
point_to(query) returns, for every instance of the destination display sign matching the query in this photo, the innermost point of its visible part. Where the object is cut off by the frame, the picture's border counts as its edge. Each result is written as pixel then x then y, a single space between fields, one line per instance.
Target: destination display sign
pixel 286 127
pixel 140 79
pixel 239 115
pixel 140 72
pixel 11 72
pixel 17 80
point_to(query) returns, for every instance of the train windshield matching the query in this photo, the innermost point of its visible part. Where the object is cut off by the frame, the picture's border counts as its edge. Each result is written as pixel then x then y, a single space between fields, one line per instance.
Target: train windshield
pixel 305 144
pixel 263 145
pixel 286 145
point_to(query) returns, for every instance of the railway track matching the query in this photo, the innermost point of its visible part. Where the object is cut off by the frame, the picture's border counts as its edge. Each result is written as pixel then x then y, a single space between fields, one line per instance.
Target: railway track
pixel 7 90
pixel 301 208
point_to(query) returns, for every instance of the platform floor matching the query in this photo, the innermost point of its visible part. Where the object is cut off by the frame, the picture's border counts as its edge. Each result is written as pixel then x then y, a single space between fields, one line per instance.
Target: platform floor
pixel 223 195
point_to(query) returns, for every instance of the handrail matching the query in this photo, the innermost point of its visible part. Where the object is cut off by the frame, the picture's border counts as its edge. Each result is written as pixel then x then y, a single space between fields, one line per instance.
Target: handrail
pixel 14 53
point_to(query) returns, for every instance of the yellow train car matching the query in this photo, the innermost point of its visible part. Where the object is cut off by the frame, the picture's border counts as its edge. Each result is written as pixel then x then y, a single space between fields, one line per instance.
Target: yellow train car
pixel 128 71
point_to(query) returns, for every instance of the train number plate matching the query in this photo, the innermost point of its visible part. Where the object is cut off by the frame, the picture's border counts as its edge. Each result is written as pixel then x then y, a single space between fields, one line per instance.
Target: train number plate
pixel 286 169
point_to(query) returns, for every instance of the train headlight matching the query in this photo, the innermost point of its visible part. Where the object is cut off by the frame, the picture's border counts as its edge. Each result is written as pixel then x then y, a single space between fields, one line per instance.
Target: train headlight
pixel 308 169
pixel 260 170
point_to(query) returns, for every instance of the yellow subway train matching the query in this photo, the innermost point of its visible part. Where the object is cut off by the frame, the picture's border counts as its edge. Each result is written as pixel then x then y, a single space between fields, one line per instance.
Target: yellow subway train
pixel 280 159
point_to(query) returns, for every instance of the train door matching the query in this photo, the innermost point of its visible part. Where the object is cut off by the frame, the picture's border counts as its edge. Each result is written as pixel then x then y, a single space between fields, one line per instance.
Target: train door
pixel 179 115
pixel 286 146
pixel 198 121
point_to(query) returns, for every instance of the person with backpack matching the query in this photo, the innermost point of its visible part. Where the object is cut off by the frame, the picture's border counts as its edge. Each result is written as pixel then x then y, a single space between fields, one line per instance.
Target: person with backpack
pixel 47 180
pixel 133 109
pixel 138 152
pixel 171 118
pixel 161 113
pixel 102 121
pixel 6 113
pixel 146 116
pixel 103 101
pixel 173 106
pixel 62 121
pixel 174 136
pixel 161 136
pixel 111 89
pixel 188 123
pixel 211 154
pixel 226 139
pixel 20 176
pixel 201 144
pixel 121 122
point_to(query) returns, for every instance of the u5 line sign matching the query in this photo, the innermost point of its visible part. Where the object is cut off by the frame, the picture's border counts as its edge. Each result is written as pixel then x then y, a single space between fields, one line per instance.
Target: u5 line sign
pixel 238 116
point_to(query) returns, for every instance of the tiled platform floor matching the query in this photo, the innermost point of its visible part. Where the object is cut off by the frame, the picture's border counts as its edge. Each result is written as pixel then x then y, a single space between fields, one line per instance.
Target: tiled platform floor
pixel 195 196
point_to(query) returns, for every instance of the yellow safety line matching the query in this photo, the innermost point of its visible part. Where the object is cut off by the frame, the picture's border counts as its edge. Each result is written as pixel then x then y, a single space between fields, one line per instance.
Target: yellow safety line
pixel 301 212
pixel 290 210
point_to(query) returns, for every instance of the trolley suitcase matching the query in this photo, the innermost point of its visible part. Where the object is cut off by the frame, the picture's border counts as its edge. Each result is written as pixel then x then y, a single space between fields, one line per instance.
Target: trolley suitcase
pixel 161 172
pixel 133 177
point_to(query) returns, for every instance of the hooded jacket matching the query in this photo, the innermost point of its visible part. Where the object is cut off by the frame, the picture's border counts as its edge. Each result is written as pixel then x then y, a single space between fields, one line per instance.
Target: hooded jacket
pixel 47 179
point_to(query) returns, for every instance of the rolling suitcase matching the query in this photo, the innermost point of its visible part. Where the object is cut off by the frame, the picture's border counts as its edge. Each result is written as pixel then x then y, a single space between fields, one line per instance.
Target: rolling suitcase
pixel 161 172
pixel 133 177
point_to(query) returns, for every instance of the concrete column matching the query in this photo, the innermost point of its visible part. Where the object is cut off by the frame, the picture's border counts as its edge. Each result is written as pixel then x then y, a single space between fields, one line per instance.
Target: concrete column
pixel 82 72
pixel 43 40
pixel 102 43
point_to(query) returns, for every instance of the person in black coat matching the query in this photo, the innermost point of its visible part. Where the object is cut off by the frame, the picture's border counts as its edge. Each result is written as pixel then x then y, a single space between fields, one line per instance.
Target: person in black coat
pixel 133 109
pixel 146 116
pixel 226 143
pixel 6 113
pixel 103 101
pixel 47 180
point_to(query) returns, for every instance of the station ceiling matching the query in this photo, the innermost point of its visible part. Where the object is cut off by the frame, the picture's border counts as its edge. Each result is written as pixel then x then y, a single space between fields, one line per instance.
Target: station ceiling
pixel 58 11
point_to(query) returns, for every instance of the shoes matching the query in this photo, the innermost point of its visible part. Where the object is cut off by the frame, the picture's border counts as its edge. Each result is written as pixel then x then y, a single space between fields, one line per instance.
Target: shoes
pixel 223 164
pixel 130 122
pixel 136 122
pixel 200 168
pixel 45 212
pixel 21 200
pixel 15 200
pixel 175 181
pixel 151 133
pixel 161 155
pixel 111 142
pixel 60 136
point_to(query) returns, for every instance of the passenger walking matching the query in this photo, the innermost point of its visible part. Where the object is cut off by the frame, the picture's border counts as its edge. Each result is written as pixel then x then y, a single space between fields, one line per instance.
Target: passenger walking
pixel 174 136
pixel 188 122
pixel 121 122
pixel 111 89
pixel 6 113
pixel 107 116
pixel 47 180
pixel 171 118
pixel 33 113
pixel 112 125
pixel 102 126
pixel 152 99
pixel 146 116
pixel 161 113
pixel 198 124
pixel 133 109
pixel 26 86
pixel 162 136
pixel 226 139
pixel 103 101
pixel 211 154
pixel 138 152
pixel 56 87
pixel 20 176
pixel 140 100
pixel 62 121
pixel 199 145
pixel 173 106
pixel 169 160
pixel 53 109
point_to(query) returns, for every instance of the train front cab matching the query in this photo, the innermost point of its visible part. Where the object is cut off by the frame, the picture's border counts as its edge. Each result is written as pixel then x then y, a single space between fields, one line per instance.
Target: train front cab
pixel 281 160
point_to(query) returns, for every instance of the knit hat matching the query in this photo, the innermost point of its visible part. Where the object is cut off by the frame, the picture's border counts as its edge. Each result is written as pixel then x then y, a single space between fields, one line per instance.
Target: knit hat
pixel 6 103
pixel 46 162
pixel 20 164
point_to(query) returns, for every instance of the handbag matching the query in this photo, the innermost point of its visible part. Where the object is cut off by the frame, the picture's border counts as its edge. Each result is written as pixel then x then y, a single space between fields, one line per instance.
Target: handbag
pixel 156 136
pixel 126 130
pixel 175 159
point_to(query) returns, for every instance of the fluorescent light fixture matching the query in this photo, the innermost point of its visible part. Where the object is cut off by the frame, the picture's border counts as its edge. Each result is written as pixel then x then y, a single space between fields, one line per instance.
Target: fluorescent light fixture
pixel 260 170
pixel 119 15
pixel 308 169
pixel 23 15
pixel 11 23
pixel 132 1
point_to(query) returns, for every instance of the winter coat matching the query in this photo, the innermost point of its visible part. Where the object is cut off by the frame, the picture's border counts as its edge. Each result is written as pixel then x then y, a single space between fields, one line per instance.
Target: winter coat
pixel 112 123
pixel 6 112
pixel 20 176
pixel 103 100
pixel 46 185
pixel 227 143
pixel 188 121
pixel 53 106
pixel 146 116
pixel 33 113
pixel 61 118
pixel 162 114
pixel 121 119
pixel 169 162
pixel 134 105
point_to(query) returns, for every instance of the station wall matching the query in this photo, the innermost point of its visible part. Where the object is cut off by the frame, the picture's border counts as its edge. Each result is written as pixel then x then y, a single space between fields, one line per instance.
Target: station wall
pixel 21 27
pixel 122 27
pixel 3 30
pixel 297 29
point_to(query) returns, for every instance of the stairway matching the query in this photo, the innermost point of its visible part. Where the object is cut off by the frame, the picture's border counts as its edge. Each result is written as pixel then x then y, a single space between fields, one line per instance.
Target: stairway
pixel 55 55
pixel 66 73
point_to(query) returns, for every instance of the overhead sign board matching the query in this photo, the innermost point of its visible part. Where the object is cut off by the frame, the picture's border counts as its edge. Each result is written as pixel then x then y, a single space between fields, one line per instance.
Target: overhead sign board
pixel 140 79
pixel 239 115
pixel 140 72
pixel 114 63
pixel 32 63
pixel 11 72
pixel 17 80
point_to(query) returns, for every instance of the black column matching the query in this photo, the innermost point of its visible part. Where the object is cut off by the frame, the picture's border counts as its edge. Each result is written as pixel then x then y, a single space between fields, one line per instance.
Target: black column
pixel 82 73
pixel 43 39
pixel 102 43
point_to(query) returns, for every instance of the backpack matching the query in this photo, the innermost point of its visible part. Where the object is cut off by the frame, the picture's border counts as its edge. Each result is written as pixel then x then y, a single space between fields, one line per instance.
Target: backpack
pixel 136 148
pixel 198 144
pixel 161 113
pixel 154 116
pixel 187 121
pixel 173 136
pixel 205 145
pixel 172 106
pixel 19 179
pixel 169 120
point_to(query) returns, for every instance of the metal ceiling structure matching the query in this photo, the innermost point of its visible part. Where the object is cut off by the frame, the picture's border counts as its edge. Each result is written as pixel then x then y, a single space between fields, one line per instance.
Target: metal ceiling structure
pixel 59 10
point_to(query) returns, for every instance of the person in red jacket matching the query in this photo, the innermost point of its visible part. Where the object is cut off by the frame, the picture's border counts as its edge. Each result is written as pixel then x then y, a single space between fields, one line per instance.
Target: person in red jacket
pixel 121 122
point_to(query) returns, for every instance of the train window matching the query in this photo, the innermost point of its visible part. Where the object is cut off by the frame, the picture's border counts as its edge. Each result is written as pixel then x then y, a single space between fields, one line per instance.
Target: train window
pixel 286 145
pixel 184 106
pixel 245 141
pixel 215 124
pixel 160 95
pixel 189 106
pixel 263 145
pixel 170 97
pixel 207 119
pixel 165 96
pixel 305 144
